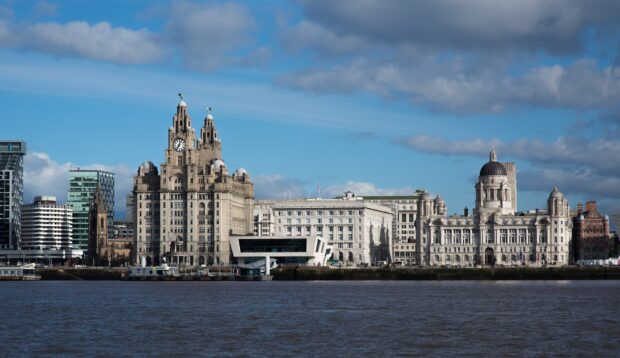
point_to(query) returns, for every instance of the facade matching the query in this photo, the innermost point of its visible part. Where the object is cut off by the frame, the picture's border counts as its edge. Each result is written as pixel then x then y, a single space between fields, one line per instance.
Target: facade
pixel 592 239
pixel 47 225
pixel 404 208
pixel 11 192
pixel 83 185
pixel 129 208
pixel 186 212
pixel 304 250
pixel 359 231
pixel 107 245
pixel 495 234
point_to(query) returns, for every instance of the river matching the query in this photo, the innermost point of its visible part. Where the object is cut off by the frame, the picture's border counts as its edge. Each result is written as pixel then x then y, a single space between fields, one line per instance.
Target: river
pixel 342 318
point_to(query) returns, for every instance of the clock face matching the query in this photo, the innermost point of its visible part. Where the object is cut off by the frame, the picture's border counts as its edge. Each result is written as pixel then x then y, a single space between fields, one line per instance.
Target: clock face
pixel 179 145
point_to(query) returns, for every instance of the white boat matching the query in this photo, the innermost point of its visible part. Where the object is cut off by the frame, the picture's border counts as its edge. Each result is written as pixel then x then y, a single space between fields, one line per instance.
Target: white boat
pixel 161 271
pixel 18 273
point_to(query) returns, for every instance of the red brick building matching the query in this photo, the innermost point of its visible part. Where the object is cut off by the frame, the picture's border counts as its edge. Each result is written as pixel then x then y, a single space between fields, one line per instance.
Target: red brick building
pixel 591 237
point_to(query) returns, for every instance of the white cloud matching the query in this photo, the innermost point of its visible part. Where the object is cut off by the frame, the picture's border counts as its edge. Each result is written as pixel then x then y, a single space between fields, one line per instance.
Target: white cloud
pixel 456 86
pixel 275 186
pixel 278 187
pixel 553 26
pixel 45 176
pixel 210 35
pixel 364 188
pixel 98 41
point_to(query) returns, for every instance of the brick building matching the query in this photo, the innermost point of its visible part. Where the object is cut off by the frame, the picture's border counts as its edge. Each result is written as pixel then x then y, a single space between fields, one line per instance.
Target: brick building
pixel 591 237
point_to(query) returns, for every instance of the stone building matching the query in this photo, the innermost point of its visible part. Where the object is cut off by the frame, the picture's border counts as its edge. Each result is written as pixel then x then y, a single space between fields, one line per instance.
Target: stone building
pixel 404 208
pixel 496 233
pixel 359 231
pixel 186 212
pixel 591 237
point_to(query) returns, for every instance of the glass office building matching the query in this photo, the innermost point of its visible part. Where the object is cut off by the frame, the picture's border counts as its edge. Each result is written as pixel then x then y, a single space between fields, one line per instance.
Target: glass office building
pixel 11 192
pixel 82 188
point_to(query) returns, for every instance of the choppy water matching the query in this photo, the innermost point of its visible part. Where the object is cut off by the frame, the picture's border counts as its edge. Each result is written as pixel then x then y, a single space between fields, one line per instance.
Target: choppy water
pixel 309 318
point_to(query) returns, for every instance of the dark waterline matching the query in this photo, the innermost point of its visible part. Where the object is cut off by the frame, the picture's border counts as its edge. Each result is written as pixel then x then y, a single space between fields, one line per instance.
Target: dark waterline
pixel 309 318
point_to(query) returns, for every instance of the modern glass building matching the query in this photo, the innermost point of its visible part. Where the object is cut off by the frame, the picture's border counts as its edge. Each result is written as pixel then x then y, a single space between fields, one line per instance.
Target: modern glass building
pixel 11 192
pixel 82 188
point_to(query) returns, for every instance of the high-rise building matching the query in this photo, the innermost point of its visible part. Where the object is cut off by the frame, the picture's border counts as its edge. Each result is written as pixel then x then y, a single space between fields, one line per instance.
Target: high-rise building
pixel 83 185
pixel 186 213
pixel 46 225
pixel 129 207
pixel 11 192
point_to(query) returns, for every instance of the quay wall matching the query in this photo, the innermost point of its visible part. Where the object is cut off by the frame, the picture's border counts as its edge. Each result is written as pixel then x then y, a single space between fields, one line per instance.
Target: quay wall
pixel 559 273
pixel 301 273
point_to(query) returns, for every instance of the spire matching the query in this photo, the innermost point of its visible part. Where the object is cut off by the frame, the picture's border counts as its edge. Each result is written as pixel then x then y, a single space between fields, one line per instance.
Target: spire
pixel 493 156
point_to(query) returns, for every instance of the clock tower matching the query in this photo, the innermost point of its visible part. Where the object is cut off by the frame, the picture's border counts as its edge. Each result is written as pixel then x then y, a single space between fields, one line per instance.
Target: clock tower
pixel 186 213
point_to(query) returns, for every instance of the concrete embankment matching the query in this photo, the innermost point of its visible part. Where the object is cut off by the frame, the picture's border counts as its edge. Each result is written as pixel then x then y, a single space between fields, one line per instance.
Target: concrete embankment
pixel 72 274
pixel 321 273
pixel 560 273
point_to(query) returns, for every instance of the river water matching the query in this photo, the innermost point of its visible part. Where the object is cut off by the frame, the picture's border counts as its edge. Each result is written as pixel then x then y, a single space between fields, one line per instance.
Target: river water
pixel 413 318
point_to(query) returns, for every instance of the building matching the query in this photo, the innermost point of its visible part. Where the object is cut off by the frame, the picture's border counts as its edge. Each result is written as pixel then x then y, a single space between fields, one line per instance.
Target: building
pixel 83 185
pixel 129 208
pixel 404 207
pixel 47 225
pixel 305 250
pixel 11 192
pixel 496 233
pixel 105 248
pixel 592 239
pixel 186 212
pixel 264 222
pixel 122 230
pixel 359 231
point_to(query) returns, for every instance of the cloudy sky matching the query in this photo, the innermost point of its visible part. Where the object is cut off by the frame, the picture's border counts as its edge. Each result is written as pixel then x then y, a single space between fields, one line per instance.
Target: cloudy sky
pixel 375 96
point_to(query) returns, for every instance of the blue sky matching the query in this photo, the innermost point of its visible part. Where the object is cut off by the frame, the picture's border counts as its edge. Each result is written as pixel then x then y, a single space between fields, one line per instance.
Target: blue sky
pixel 375 96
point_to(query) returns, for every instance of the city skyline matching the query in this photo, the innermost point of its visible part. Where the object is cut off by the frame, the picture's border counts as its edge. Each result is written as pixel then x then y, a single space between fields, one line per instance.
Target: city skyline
pixel 302 86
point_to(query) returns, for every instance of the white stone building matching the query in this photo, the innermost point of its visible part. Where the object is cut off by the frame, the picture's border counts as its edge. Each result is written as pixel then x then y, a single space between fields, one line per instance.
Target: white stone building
pixel 360 231
pixel 46 225
pixel 495 234
pixel 404 207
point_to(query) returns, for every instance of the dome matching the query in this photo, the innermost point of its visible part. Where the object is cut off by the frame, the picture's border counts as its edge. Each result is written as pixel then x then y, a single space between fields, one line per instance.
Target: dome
pixel 555 193
pixel 606 217
pixel 426 196
pixel 210 116
pixel 182 104
pixel 581 218
pixel 439 199
pixel 218 163
pixel 148 166
pixel 493 168
pixel 241 172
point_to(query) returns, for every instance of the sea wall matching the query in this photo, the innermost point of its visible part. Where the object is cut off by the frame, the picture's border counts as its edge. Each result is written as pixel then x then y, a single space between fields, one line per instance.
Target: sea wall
pixel 71 274
pixel 559 273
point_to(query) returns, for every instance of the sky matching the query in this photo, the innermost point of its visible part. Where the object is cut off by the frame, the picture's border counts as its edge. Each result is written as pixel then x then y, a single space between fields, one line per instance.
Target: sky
pixel 379 97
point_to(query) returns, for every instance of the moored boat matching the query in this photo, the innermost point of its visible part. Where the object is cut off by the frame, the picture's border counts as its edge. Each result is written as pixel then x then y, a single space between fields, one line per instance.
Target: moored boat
pixel 19 273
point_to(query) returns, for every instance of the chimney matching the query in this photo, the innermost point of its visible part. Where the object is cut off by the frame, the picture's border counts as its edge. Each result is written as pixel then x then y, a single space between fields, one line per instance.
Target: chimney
pixel 466 211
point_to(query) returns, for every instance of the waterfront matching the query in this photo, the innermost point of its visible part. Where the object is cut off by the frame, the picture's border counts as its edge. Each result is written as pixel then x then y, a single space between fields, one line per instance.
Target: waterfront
pixel 309 318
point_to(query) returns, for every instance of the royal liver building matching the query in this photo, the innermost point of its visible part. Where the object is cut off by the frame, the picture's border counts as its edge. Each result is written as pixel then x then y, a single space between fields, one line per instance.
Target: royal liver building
pixel 186 212
pixel 495 234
